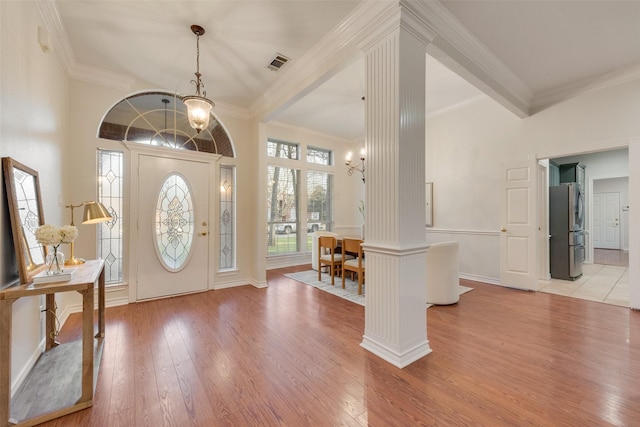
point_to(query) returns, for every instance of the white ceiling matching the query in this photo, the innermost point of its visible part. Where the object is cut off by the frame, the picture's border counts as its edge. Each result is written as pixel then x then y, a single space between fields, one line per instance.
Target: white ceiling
pixel 549 49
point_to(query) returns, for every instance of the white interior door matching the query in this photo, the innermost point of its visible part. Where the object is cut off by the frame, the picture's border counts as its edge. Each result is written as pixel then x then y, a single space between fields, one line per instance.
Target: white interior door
pixel 543 222
pixel 173 218
pixel 518 268
pixel 606 220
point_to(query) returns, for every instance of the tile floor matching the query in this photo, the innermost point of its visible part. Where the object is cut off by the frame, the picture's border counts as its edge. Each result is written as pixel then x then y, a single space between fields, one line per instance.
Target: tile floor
pixel 603 283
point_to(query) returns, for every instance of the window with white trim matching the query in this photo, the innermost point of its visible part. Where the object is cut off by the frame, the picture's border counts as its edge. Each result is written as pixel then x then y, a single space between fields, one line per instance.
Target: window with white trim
pixel 299 196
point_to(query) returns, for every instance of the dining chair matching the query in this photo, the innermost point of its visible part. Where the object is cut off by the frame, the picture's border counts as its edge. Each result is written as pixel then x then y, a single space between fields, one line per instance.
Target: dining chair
pixel 314 246
pixel 327 256
pixel 355 265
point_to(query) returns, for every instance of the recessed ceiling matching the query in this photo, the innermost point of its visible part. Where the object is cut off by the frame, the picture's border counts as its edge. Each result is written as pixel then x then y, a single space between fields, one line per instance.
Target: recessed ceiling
pixel 546 46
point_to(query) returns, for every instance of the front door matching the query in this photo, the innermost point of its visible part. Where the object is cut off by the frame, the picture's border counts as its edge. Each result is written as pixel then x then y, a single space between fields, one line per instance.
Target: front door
pixel 172 235
pixel 606 220
pixel 518 268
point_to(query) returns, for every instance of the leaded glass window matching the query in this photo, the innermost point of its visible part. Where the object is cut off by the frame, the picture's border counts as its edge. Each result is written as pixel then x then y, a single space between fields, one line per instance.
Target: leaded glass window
pixel 110 194
pixel 227 217
pixel 174 224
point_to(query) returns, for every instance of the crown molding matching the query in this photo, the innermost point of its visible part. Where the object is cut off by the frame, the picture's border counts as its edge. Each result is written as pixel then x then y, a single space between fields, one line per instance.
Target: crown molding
pixel 52 21
pixel 552 96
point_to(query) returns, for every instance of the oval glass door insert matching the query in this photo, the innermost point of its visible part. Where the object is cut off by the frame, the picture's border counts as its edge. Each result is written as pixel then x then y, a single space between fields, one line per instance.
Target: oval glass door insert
pixel 174 220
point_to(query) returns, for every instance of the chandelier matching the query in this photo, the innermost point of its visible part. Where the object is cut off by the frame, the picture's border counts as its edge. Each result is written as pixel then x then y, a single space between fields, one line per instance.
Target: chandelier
pixel 198 106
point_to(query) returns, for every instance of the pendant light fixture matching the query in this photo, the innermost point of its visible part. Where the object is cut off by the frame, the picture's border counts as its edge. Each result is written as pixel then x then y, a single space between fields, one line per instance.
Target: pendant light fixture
pixel 198 106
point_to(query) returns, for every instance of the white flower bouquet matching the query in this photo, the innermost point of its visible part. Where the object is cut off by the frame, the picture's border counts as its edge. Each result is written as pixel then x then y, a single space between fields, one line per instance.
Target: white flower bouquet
pixel 49 235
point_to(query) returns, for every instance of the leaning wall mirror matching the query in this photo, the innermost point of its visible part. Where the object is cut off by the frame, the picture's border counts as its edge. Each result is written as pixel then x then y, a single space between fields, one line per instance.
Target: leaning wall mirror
pixel 26 215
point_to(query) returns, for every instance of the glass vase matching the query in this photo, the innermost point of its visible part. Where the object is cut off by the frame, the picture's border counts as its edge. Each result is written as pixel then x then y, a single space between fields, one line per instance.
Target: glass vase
pixel 55 262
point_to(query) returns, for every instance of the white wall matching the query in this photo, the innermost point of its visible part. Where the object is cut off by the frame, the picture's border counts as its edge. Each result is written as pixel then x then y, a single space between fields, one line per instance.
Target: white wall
pixel 33 131
pixel 468 148
pixel 465 152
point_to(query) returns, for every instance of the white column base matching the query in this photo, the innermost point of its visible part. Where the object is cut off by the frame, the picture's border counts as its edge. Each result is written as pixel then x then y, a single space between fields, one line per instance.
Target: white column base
pixel 393 357
pixel 396 303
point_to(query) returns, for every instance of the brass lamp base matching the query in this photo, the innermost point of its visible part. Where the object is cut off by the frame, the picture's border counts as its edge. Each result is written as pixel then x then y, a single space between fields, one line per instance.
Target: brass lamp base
pixel 74 261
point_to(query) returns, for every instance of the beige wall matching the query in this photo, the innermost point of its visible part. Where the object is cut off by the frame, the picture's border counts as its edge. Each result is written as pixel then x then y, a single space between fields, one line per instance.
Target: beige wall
pixel 34 131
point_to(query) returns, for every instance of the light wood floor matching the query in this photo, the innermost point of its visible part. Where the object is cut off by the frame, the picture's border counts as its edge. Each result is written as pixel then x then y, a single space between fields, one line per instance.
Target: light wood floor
pixel 290 355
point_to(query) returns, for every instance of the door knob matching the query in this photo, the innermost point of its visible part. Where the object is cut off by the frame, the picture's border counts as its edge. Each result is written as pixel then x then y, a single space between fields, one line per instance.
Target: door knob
pixel 503 229
pixel 204 233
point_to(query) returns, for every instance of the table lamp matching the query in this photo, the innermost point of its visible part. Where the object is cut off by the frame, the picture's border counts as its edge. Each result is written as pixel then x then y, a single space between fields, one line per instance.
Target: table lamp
pixel 94 212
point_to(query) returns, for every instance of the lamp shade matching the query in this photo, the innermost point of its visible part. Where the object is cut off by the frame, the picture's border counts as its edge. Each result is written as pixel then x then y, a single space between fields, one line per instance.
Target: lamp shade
pixel 95 212
pixel 198 111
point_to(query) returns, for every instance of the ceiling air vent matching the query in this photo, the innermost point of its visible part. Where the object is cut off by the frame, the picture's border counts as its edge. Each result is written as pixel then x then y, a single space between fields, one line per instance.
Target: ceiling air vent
pixel 278 62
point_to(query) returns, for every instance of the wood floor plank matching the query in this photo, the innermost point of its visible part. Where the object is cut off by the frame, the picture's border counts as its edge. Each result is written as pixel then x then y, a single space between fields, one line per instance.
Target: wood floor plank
pixel 195 397
pixel 147 400
pixel 290 355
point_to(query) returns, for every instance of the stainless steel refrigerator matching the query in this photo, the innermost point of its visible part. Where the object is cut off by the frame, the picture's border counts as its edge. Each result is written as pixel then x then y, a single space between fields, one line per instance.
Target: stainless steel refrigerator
pixel 566 229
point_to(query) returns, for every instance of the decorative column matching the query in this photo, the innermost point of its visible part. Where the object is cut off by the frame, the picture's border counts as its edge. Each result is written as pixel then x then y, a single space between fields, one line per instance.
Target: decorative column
pixel 395 313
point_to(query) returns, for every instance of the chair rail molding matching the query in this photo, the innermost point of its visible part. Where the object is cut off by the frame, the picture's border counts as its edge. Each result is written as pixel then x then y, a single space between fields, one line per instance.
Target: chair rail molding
pixel 431 230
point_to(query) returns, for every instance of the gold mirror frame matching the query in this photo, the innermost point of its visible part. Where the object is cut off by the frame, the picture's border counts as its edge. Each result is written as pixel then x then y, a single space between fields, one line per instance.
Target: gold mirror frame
pixel 25 212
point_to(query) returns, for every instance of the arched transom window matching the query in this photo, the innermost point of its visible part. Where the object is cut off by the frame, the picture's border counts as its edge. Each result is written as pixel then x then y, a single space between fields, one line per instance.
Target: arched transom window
pixel 160 119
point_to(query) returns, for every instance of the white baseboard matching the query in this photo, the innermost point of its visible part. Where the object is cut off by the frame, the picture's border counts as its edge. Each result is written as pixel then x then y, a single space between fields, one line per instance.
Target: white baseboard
pixel 241 282
pixel 288 261
pixel 475 278
pixel 260 285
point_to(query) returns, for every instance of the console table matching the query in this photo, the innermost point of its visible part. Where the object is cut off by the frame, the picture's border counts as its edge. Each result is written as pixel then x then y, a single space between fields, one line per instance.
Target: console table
pixel 63 379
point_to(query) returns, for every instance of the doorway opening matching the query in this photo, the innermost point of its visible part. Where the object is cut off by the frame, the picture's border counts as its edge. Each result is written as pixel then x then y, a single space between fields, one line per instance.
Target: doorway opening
pixel 604 275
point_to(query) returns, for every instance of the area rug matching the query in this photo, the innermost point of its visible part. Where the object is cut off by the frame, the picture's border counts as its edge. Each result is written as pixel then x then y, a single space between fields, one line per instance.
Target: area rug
pixel 350 292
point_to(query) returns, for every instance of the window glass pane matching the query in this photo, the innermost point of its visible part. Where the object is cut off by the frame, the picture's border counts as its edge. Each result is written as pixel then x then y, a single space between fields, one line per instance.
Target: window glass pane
pixel 160 118
pixel 227 217
pixel 319 156
pixel 283 150
pixel 110 194
pixel 319 202
pixel 282 210
pixel 174 222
